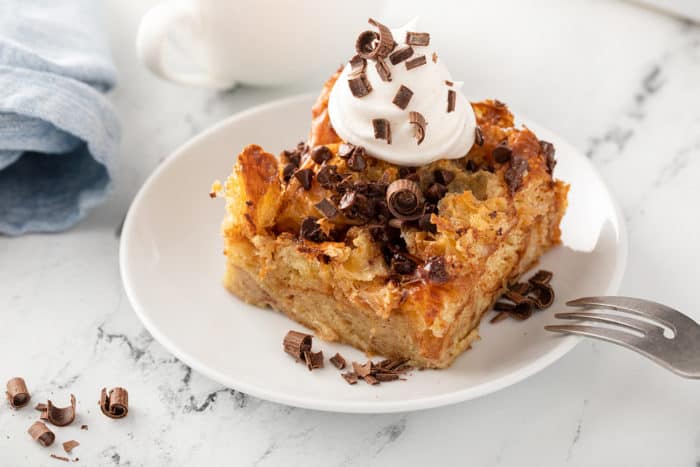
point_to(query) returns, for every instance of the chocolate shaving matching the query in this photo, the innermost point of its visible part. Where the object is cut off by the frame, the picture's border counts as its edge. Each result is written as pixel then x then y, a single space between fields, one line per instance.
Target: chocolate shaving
pixel 296 343
pixel 321 154
pixel 60 458
pixel 541 277
pixel 357 65
pixel 403 97
pixel 386 40
pixel 449 83
pixel 416 62
pixel 350 377
pixel 503 306
pixel 425 223
pixel 435 57
pixel 382 129
pixel 356 162
pixel 115 403
pixel 355 205
pixel 543 295
pixel 400 55
pixel 369 379
pixel 310 230
pixel 366 44
pixel 305 176
pixel 523 305
pixel 359 85
pixel 326 208
pixel 338 361
pixel 41 407
pixel 383 70
pixel 500 316
pixel 345 150
pixel 385 377
pixel 522 288
pixel 404 199
pixel 314 360
pixel 471 166
pixel 419 124
pixel 502 153
pixel 84 427
pixel 437 270
pixel 69 445
pixel 402 264
pixel 478 136
pixel 548 150
pixel 514 174
pixel 17 393
pixel 436 192
pixel 418 38
pixel 61 416
pixel 328 177
pixel 41 434
pixel 288 171
pixel 362 370
pixel 443 176
pixel 451 100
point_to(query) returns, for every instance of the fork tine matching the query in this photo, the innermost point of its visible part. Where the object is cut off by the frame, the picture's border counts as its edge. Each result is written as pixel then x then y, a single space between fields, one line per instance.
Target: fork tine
pixel 668 316
pixel 607 318
pixel 610 335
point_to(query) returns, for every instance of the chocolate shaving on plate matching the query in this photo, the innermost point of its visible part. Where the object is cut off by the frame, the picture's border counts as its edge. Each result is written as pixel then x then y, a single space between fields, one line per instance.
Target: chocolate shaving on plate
pixel 115 403
pixel 359 85
pixel 503 306
pixel 403 97
pixel 404 199
pixel 84 427
pixel 369 379
pixel 61 416
pixel 522 288
pixel 41 407
pixel 418 121
pixel 417 38
pixel 338 361
pixel 500 316
pixel 400 55
pixel 382 129
pixel 416 62
pixel 321 154
pixel 385 377
pixel 60 458
pixel 541 277
pixel 542 295
pixel 478 136
pixel 69 445
pixel 435 57
pixel 350 377
pixel 305 177
pixel 17 393
pixel 362 370
pixel 502 153
pixel 523 305
pixel 451 100
pixel 313 360
pixel 41 434
pixel 383 70
pixel 295 343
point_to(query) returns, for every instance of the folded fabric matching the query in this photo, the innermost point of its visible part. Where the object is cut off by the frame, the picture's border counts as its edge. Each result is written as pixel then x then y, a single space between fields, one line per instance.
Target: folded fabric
pixel 58 132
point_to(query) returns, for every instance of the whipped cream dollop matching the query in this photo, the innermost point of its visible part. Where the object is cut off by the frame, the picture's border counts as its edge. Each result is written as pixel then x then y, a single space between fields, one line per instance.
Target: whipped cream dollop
pixel 446 135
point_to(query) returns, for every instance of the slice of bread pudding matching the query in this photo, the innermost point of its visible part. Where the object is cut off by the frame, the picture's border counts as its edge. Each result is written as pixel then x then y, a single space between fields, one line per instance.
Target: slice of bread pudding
pixel 401 262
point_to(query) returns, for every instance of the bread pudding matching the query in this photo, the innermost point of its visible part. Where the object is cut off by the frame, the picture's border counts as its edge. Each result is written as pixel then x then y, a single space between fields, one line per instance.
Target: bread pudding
pixel 395 257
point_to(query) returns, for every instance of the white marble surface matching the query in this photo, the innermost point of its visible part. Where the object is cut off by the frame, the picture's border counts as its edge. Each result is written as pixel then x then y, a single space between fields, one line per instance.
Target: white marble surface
pixel 620 82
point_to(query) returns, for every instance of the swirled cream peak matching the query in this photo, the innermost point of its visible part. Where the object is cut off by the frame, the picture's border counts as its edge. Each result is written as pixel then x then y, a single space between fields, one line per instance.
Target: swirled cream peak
pixel 403 107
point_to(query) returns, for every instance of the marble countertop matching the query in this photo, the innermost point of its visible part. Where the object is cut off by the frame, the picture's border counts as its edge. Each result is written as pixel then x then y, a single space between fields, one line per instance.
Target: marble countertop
pixel 620 82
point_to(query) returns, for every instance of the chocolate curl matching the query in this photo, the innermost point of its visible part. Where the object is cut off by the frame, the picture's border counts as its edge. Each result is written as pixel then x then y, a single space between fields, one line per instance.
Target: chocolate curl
pixel 17 393
pixel 114 404
pixel 404 199
pixel 418 121
pixel 41 434
pixel 61 416
pixel 296 343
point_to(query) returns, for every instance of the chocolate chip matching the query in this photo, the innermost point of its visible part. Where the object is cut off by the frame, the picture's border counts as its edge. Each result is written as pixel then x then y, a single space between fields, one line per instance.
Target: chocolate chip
pixel 288 171
pixel 345 150
pixel 417 38
pixel 436 269
pixel 296 343
pixel 382 129
pixel 400 55
pixel 478 136
pixel 310 230
pixel 305 176
pixel 404 199
pixel 338 361
pixel 548 150
pixel 514 174
pixel 471 166
pixel 359 85
pixel 326 208
pixel 17 393
pixel 400 264
pixel 502 153
pixel 405 171
pixel 321 154
pixel 356 205
pixel 356 162
pixel 292 157
pixel 444 176
pixel 383 70
pixel 416 62
pixel 328 177
pixel 425 224
pixel 419 124
pixel 403 97
pixel 414 177
pixel 436 192
pixel 451 100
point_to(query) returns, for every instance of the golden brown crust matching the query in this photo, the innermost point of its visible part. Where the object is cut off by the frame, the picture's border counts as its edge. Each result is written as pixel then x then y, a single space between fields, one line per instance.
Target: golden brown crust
pixel 488 233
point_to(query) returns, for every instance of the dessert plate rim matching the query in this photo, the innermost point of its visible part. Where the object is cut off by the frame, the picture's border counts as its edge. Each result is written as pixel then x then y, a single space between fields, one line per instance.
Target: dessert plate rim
pixel 133 292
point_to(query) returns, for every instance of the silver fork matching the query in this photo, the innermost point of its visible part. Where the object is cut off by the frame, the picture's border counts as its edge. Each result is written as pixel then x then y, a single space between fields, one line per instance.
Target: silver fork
pixel 679 353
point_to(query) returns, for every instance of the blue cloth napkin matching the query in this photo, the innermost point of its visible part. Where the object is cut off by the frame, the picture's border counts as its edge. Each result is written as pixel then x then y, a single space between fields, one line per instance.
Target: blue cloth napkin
pixel 58 132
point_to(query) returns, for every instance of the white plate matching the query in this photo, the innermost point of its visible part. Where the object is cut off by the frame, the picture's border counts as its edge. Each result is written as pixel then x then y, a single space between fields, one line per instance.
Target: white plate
pixel 172 264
